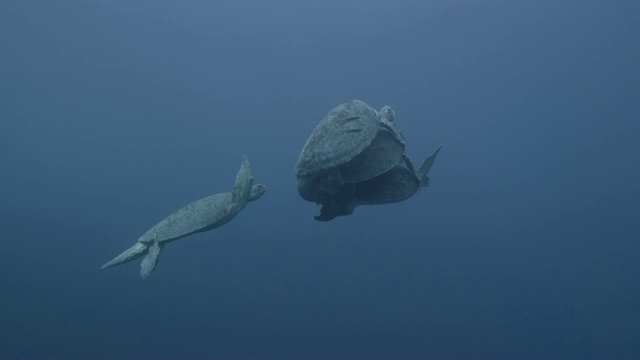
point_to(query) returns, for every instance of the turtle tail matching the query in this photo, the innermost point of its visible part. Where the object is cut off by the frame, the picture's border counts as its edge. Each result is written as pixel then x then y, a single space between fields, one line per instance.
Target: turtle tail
pixel 426 166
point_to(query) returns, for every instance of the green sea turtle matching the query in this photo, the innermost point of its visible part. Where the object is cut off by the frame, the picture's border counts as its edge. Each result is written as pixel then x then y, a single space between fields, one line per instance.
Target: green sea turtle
pixel 356 156
pixel 201 215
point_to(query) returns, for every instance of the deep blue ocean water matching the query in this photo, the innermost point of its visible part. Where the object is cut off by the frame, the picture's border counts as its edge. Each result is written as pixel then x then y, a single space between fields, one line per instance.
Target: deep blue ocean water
pixel 113 114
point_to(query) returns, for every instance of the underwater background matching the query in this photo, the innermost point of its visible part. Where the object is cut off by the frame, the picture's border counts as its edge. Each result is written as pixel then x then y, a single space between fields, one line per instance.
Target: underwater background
pixel 113 114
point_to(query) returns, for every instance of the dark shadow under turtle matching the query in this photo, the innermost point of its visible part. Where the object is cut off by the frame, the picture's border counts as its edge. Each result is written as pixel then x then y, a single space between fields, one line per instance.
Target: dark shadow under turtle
pixel 355 156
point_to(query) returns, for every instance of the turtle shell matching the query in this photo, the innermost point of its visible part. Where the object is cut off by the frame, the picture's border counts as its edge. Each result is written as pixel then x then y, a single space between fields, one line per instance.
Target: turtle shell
pixel 382 154
pixel 201 215
pixel 339 137
pixel 397 184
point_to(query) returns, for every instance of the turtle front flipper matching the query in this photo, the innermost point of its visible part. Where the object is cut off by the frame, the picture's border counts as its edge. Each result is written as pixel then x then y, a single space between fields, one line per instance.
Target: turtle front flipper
pixel 241 193
pixel 131 253
pixel 426 166
pixel 150 261
pixel 341 204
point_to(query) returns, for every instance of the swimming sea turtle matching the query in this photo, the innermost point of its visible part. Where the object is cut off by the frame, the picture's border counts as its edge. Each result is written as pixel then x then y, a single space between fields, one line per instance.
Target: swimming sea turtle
pixel 355 156
pixel 202 215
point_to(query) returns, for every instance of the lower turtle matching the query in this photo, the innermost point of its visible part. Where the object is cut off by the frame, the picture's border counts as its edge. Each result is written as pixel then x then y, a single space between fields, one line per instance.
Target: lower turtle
pixel 396 185
pixel 202 215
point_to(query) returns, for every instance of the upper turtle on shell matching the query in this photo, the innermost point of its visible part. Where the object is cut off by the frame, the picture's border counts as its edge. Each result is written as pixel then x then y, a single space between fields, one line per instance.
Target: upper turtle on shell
pixel 352 143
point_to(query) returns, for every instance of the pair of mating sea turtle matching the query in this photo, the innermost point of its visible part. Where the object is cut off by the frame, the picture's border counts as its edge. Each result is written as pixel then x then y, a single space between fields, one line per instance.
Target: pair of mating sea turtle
pixel 355 156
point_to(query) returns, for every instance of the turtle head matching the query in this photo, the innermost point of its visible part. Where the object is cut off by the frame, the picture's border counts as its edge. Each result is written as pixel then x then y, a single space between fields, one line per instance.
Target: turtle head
pixel 257 191
pixel 342 204
pixel 387 113
pixel 331 211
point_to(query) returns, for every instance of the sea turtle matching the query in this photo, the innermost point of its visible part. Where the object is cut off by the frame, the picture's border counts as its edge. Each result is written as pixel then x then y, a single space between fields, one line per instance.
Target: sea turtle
pixel 356 156
pixel 395 185
pixel 352 143
pixel 201 215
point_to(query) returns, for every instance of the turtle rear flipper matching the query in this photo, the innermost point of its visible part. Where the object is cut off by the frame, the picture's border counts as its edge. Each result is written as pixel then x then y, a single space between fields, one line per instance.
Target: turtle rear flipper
pixel 150 261
pixel 132 253
pixel 426 166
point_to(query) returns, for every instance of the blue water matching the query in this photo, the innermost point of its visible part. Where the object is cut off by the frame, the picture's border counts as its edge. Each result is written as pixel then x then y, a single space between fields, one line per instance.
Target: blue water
pixel 113 114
